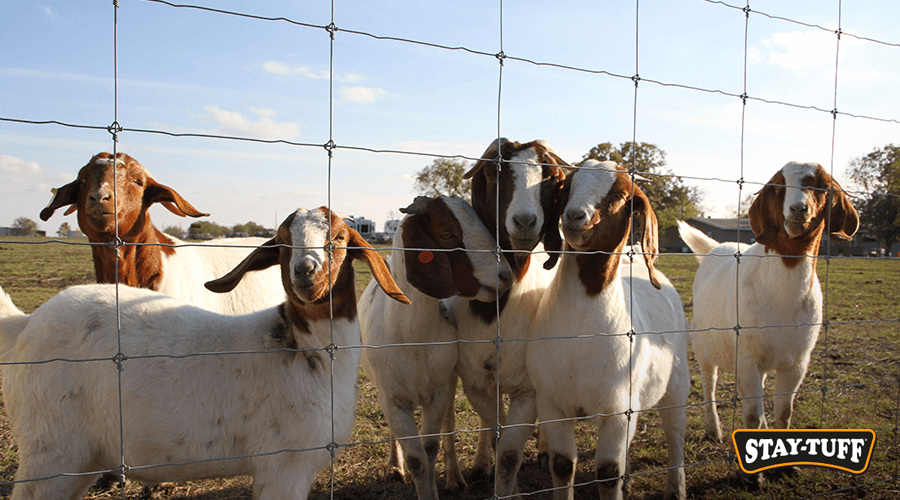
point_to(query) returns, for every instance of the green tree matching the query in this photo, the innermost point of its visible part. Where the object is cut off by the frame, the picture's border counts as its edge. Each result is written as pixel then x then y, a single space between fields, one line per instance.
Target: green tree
pixel 670 198
pixel 173 231
pixel 63 230
pixel 26 226
pixel 443 176
pixel 207 227
pixel 877 176
pixel 250 228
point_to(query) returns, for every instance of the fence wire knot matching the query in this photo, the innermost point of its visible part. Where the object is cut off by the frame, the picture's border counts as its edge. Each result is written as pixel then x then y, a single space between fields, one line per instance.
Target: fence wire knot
pixel 737 256
pixel 329 146
pixel 501 56
pixel 747 11
pixel 114 128
pixel 737 330
pixel 332 448
pixel 118 359
pixel 838 33
pixel 631 335
pixel 498 252
pixel 744 98
pixel 834 113
pixel 121 471
pixel 330 349
pixel 636 78
pixel 628 413
pixel 331 29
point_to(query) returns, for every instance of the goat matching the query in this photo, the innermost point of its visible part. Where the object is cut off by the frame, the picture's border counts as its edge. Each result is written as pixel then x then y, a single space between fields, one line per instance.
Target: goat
pixel 438 232
pixel 514 187
pixel 633 353
pixel 203 395
pixel 774 295
pixel 150 258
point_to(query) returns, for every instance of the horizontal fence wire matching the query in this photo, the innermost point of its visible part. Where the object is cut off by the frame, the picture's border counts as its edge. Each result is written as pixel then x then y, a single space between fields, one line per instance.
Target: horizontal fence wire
pixel 332 148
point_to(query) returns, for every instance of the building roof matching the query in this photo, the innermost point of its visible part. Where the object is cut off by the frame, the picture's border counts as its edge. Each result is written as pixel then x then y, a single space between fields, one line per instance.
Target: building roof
pixel 724 224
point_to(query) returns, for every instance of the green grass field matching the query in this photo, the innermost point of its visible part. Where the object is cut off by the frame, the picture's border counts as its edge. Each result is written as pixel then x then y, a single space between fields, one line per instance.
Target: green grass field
pixel 852 383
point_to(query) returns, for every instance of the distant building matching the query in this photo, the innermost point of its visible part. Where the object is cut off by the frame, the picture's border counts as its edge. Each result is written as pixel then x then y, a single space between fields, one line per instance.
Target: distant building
pixel 363 226
pixel 74 234
pixel 14 231
pixel 391 226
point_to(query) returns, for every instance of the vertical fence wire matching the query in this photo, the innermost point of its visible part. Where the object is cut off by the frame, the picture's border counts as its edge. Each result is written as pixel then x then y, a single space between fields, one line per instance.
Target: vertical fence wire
pixel 115 128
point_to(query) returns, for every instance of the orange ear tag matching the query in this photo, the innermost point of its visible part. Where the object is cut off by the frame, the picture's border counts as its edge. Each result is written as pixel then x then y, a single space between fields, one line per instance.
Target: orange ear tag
pixel 426 256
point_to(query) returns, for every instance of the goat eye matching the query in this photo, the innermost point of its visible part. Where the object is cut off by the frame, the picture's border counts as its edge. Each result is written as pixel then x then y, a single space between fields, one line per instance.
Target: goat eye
pixel 139 182
pixel 446 235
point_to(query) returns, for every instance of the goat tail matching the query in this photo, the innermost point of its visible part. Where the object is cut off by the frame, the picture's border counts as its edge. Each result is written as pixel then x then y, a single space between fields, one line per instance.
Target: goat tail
pixel 12 323
pixel 699 243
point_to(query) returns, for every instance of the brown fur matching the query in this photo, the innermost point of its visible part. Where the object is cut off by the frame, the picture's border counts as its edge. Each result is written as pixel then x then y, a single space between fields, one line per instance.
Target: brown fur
pixel 608 231
pixel 767 217
pixel 333 293
pixel 487 179
pixel 136 191
pixel 431 225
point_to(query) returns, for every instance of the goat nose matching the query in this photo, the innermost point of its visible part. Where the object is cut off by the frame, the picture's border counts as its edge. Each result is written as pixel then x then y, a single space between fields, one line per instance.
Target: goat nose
pixel 305 268
pixel 576 215
pixel 505 276
pixel 799 208
pixel 100 196
pixel 525 221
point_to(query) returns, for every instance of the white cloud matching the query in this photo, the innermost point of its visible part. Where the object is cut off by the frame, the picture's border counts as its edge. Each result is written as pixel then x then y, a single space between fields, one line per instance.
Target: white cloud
pixel 363 95
pixel 49 12
pixel 264 112
pixel 280 68
pixel 797 49
pixel 13 165
pixel 234 123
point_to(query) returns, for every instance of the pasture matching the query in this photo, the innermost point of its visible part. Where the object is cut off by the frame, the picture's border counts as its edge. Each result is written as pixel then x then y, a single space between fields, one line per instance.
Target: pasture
pixel 852 382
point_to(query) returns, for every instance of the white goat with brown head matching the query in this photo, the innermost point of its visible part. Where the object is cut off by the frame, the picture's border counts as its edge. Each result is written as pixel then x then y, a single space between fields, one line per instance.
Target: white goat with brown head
pixel 441 250
pixel 774 296
pixel 632 350
pixel 115 194
pixel 514 188
pixel 202 395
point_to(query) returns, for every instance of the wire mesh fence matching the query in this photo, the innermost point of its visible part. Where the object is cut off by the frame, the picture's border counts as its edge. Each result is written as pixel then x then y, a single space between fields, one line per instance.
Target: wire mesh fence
pixel 836 393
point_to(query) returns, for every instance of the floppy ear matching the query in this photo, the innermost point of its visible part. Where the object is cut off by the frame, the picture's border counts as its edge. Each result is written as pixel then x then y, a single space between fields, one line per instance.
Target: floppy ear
pixel 844 221
pixel 263 257
pixel 66 195
pixel 376 263
pixel 553 242
pixel 159 193
pixel 428 271
pixel 763 211
pixel 650 240
pixel 488 156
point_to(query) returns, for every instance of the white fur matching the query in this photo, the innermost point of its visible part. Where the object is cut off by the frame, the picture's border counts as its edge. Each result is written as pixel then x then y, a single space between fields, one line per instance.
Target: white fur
pixel 779 310
pixel 285 406
pixel 184 274
pixel 478 365
pixel 419 375
pixel 605 374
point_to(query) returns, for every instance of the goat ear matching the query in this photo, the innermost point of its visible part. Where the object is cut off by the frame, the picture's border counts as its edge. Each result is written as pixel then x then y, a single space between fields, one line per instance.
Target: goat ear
pixel 263 257
pixel 426 270
pixel 763 212
pixel 359 248
pixel 63 196
pixel 553 242
pixel 844 221
pixel 159 193
pixel 488 156
pixel 650 240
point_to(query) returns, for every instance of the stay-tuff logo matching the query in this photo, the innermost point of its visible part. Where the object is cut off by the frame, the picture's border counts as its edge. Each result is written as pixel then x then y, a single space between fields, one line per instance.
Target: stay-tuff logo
pixel 845 449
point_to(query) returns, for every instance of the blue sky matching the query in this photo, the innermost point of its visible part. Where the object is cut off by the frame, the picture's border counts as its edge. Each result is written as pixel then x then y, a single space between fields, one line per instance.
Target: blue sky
pixel 190 71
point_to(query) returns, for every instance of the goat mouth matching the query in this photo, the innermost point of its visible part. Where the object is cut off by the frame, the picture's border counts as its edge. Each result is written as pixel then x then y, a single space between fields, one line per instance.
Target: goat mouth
pixel 523 243
pixel 795 228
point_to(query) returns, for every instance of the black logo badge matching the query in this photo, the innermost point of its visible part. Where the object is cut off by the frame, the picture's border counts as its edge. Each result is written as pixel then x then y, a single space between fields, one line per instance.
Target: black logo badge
pixel 845 449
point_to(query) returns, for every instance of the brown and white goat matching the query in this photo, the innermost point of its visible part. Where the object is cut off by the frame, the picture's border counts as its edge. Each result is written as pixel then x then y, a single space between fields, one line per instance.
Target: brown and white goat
pixel 631 350
pixel 441 250
pixel 112 195
pixel 514 188
pixel 266 394
pixel 774 296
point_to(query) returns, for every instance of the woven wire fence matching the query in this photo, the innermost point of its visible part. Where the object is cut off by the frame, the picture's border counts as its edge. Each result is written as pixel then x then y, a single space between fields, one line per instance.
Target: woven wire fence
pixel 826 389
